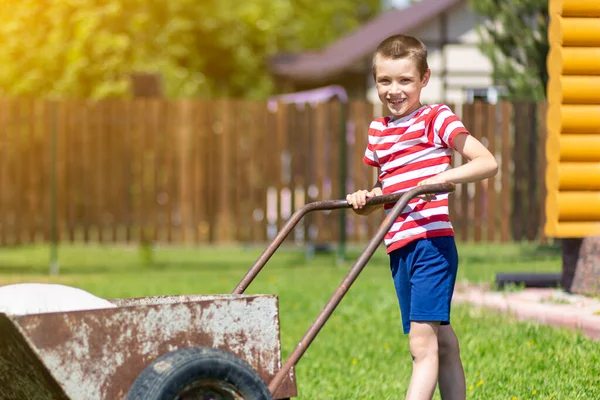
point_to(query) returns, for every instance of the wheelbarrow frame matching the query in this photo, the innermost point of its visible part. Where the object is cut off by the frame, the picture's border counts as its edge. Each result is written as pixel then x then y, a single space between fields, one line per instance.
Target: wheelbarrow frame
pixel 401 199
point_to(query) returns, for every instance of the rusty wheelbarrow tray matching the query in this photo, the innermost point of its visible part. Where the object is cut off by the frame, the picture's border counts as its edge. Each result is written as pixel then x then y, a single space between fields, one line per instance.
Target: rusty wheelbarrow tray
pixel 99 354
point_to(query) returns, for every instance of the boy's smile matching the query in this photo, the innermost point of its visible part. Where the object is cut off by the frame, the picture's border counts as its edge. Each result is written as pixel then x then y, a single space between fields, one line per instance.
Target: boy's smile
pixel 399 84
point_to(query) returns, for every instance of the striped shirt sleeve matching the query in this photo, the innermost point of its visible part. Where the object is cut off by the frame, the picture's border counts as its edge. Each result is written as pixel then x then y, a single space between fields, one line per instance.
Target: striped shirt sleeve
pixel 370 157
pixel 446 126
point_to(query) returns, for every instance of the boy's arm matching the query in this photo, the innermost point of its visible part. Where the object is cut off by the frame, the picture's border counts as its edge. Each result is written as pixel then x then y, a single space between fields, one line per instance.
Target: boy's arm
pixel 359 198
pixel 482 164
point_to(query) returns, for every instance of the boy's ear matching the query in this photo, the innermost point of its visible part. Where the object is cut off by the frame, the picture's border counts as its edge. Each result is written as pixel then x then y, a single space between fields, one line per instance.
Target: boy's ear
pixel 426 77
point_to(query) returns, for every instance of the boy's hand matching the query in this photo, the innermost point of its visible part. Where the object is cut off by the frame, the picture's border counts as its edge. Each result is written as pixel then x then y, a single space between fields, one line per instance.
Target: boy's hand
pixel 359 198
pixel 430 181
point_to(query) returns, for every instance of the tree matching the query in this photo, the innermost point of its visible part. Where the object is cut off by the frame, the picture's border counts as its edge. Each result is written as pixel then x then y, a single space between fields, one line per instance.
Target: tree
pixel 89 48
pixel 514 36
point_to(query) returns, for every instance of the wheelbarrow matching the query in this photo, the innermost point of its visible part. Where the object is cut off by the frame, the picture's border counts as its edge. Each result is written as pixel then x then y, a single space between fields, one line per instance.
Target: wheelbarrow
pixel 190 347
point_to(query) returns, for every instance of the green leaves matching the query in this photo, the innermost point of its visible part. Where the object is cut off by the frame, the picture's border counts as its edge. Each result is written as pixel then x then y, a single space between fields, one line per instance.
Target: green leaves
pixel 89 48
pixel 515 39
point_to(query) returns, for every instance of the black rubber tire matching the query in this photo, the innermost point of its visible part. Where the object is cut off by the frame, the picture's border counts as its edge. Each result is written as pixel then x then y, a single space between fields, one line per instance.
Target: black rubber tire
pixel 171 373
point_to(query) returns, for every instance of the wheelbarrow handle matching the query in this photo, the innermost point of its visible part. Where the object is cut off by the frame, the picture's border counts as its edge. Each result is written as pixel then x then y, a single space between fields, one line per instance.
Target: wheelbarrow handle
pixel 327 205
pixel 356 269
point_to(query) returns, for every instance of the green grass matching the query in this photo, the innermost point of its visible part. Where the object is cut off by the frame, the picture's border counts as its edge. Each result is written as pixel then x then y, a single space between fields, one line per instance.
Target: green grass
pixel 361 352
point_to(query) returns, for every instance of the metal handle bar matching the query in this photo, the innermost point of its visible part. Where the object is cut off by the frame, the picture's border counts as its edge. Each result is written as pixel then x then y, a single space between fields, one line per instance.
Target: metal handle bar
pixel 326 205
pixel 358 266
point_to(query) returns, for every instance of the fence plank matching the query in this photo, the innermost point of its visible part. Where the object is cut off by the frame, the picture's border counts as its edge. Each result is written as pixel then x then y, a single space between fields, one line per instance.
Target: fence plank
pixel 170 144
pixel 42 178
pixel 505 205
pixel 46 127
pixel 127 165
pixel 18 172
pixel 277 116
pixel 296 179
pixel 162 195
pixel 305 135
pixel 122 118
pixel 212 168
pixel 479 124
pixel 185 176
pixel 203 192
pixel 334 157
pixel 531 182
pixel 490 183
pixel 519 201
pixel 114 176
pixel 224 201
pixel 541 170
pixel 465 207
pixel 31 149
pixel 4 184
pixel 284 114
pixel 453 203
pixel 100 150
pixel 59 112
pixel 319 160
pixel 150 162
pixel 244 201
pixel 257 184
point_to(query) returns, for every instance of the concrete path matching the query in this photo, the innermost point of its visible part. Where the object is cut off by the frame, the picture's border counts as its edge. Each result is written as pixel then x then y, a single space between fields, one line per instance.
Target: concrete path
pixel 545 306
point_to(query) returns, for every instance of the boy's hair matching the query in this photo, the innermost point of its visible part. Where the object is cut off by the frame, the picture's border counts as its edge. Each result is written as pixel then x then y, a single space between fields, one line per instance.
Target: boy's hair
pixel 402 46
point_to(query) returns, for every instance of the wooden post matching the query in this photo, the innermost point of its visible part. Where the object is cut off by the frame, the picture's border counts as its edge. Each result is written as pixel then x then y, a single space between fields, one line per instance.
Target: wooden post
pixel 581 265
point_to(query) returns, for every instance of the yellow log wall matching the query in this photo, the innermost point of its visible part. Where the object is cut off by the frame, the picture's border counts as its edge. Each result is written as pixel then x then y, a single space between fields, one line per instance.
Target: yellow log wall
pixel 573 229
pixel 574 89
pixel 576 32
pixel 574 60
pixel 576 206
pixel 575 8
pixel 579 148
pixel 573 119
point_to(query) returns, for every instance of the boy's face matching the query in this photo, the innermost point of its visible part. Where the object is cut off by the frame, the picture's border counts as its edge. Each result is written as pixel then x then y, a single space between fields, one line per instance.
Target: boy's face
pixel 399 84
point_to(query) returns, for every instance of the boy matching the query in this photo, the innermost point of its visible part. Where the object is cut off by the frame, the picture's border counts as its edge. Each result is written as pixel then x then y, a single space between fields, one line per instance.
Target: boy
pixel 413 146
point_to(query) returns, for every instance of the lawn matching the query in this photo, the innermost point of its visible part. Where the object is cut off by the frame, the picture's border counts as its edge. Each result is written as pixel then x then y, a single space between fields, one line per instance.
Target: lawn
pixel 361 353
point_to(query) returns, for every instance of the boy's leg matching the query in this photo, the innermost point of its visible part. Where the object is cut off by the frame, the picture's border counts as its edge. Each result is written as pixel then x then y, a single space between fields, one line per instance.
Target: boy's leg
pixel 423 342
pixel 432 283
pixel 451 374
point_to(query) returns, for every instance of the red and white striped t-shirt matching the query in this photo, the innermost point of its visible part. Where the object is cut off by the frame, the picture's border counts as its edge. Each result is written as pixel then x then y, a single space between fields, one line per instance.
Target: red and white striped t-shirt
pixel 408 150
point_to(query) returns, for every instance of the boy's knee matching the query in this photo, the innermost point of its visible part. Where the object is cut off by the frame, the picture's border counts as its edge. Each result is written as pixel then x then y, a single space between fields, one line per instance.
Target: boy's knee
pixel 423 343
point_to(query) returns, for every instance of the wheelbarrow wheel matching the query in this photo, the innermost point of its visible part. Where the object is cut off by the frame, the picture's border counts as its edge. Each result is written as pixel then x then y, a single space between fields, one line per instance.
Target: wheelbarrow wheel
pixel 199 373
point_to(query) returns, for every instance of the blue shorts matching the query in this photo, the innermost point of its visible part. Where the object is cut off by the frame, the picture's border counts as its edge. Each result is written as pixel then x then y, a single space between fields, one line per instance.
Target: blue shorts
pixel 424 273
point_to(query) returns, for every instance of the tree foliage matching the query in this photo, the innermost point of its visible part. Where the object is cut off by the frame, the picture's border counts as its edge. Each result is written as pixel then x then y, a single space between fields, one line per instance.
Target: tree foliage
pixel 514 37
pixel 89 48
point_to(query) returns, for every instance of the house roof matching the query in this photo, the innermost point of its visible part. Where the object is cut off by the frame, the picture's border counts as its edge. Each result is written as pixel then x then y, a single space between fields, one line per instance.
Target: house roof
pixel 318 65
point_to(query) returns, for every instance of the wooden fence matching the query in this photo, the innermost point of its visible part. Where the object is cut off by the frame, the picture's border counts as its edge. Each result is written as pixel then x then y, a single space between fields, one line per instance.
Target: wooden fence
pixel 233 171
